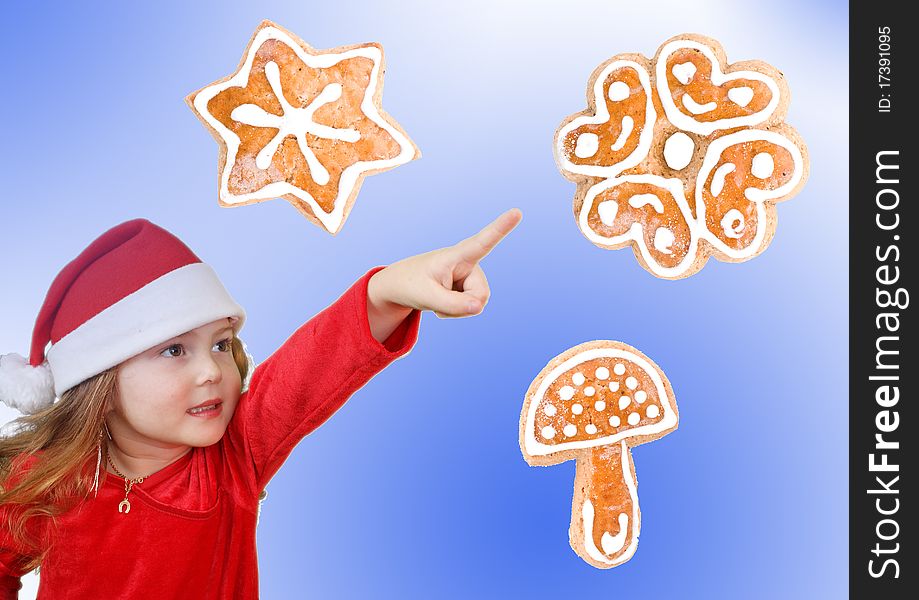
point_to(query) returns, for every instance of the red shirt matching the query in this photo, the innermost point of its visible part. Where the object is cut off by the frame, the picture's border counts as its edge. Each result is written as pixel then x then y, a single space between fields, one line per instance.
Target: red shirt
pixel 191 529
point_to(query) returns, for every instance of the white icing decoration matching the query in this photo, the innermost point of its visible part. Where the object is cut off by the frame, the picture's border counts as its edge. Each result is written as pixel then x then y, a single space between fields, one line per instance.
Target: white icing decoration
pixel 641 396
pixel 619 369
pixel 577 408
pixel 548 432
pixel 653 411
pixel 613 544
pixel 624 402
pixel 763 165
pixel 713 157
pixel 603 116
pixel 639 200
pixel 601 373
pixel 589 391
pixel 627 125
pixel 570 430
pixel 719 176
pixel 566 393
pixel 684 72
pixel 296 122
pixel 349 177
pixel 599 405
pixel 663 240
pixel 733 223
pixel 631 383
pixel 696 108
pixel 613 385
pixel 578 379
pixel 590 429
pixel 740 96
pixel 687 123
pixel 607 211
pixel 614 421
pixel 619 90
pixel 634 418
pixel 550 410
pixel 635 233
pixel 587 145
pixel 678 150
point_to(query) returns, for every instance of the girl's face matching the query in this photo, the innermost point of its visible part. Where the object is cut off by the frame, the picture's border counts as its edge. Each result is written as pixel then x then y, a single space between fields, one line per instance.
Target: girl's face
pixel 157 388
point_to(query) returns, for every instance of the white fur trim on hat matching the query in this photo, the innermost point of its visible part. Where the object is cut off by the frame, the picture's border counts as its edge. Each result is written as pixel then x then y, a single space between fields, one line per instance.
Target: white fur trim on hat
pixel 26 388
pixel 176 303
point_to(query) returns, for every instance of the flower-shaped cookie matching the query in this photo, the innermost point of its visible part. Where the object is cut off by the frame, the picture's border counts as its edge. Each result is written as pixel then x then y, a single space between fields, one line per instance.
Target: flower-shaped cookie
pixel 682 156
pixel 593 403
pixel 301 124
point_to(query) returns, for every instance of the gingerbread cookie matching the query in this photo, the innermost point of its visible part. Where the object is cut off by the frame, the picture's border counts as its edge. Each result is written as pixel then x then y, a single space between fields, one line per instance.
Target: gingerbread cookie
pixel 593 403
pixel 301 124
pixel 682 157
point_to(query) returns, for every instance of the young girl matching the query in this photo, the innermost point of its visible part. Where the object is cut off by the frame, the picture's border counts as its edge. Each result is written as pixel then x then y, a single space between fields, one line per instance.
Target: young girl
pixel 143 479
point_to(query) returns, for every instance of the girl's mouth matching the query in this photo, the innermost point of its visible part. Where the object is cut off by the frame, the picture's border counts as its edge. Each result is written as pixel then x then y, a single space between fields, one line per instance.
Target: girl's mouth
pixel 206 412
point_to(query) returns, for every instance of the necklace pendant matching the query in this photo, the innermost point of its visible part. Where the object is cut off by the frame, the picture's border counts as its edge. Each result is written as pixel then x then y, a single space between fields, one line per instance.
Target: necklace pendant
pixel 124 505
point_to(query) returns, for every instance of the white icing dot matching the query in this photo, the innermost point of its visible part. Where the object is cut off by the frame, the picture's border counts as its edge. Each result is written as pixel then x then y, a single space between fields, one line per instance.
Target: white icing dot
pixel 631 383
pixel 613 386
pixel 591 428
pixel 577 408
pixel 732 223
pixel 763 165
pixel 684 72
pixel 602 373
pixel 550 410
pixel 663 239
pixel 589 391
pixel 678 150
pixel 634 418
pixel 566 393
pixel 578 379
pixel 740 96
pixel 569 430
pixel 587 145
pixel 619 90
pixel 718 178
pixel 614 421
pixel 641 396
pixel 619 369
pixel 607 211
pixel 624 402
pixel 548 432
pixel 599 405
pixel 653 411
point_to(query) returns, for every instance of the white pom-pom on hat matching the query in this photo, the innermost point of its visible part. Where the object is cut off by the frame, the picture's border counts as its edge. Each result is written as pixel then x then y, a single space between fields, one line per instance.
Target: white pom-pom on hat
pixel 26 388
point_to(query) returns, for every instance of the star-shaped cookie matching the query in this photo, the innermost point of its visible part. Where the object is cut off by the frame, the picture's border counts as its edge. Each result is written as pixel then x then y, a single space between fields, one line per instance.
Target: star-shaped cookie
pixel 301 124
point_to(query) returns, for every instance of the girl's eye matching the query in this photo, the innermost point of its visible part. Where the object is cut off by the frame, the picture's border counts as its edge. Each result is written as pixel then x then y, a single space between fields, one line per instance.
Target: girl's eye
pixel 173 351
pixel 223 345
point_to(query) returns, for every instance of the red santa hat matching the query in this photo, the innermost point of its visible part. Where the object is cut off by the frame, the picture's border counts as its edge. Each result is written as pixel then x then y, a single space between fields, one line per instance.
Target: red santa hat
pixel 135 286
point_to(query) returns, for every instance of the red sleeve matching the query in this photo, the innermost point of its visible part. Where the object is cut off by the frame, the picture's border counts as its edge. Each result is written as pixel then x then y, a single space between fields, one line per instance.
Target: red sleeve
pixel 10 582
pixel 309 378
pixel 10 552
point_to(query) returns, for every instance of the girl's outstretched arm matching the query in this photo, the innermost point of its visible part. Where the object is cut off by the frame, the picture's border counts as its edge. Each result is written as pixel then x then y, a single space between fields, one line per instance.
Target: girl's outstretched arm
pixel 448 281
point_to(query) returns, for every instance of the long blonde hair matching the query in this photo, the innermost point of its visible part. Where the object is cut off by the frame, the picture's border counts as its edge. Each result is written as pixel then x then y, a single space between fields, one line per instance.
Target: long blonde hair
pixel 65 438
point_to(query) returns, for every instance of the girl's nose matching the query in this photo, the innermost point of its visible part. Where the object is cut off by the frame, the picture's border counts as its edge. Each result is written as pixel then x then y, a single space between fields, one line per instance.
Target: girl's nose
pixel 209 370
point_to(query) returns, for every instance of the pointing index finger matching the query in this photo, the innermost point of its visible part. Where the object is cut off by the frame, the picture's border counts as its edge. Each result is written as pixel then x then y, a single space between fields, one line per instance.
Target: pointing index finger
pixel 475 248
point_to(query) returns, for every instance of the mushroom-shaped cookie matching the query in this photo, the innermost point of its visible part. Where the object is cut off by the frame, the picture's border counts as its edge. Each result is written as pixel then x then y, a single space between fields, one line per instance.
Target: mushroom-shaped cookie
pixel 593 403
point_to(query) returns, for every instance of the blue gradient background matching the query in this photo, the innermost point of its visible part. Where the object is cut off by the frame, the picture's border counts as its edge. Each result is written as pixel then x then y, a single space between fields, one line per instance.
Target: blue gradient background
pixel 416 488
